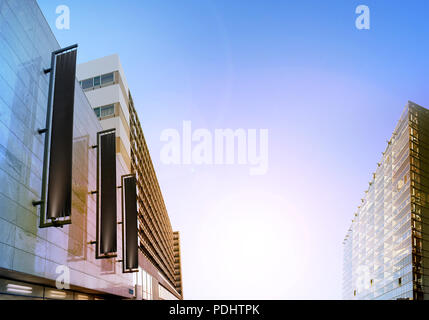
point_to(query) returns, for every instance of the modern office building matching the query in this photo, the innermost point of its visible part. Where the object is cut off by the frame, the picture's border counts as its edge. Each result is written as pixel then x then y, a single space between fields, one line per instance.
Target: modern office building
pixel 386 249
pixel 104 83
pixel 52 244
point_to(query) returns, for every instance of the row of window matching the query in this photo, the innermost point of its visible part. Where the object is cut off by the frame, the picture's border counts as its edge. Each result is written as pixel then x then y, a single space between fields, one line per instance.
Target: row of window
pixel 10 290
pixel 399 283
pixel 145 280
pixel 98 81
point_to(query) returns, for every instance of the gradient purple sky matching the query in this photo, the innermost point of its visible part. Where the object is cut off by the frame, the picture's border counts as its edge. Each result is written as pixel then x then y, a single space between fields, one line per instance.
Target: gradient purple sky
pixel 329 94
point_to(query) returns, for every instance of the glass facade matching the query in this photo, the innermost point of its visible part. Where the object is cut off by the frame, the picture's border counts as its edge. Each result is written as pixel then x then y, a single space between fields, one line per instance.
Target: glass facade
pixel 383 249
pixel 419 172
pixel 26 43
pixel 147 286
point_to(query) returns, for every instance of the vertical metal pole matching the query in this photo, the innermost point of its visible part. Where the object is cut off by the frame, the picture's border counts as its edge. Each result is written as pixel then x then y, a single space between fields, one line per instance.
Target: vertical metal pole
pixel 97 230
pixel 123 222
pixel 47 142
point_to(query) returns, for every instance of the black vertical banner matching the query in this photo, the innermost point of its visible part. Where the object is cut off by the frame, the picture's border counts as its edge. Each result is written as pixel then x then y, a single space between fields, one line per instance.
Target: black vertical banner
pixel 107 221
pixel 61 146
pixel 129 227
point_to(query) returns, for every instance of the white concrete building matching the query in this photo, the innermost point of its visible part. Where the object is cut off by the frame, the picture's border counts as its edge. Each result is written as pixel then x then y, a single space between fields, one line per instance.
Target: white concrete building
pixel 106 88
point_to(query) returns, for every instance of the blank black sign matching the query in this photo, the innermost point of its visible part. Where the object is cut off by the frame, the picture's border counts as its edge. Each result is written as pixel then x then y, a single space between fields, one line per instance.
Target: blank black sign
pixel 108 223
pixel 130 217
pixel 61 148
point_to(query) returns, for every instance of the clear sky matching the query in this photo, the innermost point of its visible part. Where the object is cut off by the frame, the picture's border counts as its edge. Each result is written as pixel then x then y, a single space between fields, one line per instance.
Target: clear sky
pixel 329 94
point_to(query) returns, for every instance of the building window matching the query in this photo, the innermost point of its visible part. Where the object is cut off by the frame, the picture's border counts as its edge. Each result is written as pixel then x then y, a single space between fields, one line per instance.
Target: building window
pixel 81 296
pixel 400 282
pixel 97 112
pixel 105 111
pixel 86 84
pixel 107 78
pixel 147 286
pixel 96 81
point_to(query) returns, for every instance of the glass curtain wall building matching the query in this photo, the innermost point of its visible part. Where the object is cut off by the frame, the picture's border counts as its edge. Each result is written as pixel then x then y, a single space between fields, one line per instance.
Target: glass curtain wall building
pixel 386 247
